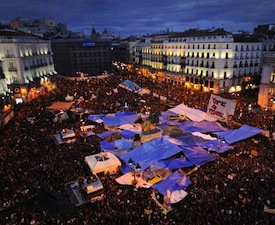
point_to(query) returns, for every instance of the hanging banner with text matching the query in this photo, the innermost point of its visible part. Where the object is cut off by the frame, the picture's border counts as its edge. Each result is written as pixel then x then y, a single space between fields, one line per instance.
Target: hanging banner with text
pixel 220 108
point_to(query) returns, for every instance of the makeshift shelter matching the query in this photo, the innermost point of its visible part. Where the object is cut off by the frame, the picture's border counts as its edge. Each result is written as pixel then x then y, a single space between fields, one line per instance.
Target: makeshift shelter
pixel 174 182
pixel 103 162
pixel 130 85
pixel 191 140
pixel 217 146
pixel 174 163
pixel 60 106
pixel 114 121
pixel 152 151
pixel 201 126
pixel 191 113
pixel 244 132
pixel 198 155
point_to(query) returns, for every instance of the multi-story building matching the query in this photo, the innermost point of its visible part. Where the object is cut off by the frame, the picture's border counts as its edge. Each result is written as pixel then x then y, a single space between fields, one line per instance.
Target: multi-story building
pixel 124 49
pixel 26 61
pixel 81 56
pixel 266 97
pixel 45 27
pixel 211 60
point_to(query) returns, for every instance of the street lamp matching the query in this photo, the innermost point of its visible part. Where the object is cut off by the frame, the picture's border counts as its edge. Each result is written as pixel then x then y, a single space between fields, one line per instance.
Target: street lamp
pixel 137 167
pixel 219 142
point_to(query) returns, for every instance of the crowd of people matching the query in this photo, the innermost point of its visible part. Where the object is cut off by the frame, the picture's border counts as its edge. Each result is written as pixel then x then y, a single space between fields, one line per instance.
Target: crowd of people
pixel 232 190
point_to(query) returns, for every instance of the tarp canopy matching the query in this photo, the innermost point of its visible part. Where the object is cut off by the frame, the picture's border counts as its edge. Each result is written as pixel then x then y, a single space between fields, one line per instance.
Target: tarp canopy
pixel 212 145
pixel 131 85
pixel 202 126
pixel 198 155
pixel 175 181
pixel 107 146
pixel 191 140
pixel 103 162
pixel 124 113
pixel 60 106
pixel 119 120
pixel 174 163
pixel 172 131
pixel 125 133
pixel 170 123
pixel 191 113
pixel 152 151
pixel 244 132
pixel 123 144
pixel 95 117
pixel 127 179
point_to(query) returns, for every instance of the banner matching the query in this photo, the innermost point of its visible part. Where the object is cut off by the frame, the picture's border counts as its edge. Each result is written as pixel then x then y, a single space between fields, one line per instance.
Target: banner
pixel 220 108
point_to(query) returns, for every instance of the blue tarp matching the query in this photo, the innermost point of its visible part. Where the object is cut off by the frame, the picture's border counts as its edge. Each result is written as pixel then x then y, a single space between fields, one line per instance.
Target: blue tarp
pixel 244 132
pixel 123 144
pixel 125 168
pixel 170 123
pixel 107 146
pixel 201 126
pixel 152 151
pixel 212 145
pixel 106 134
pixel 119 120
pixel 131 85
pixel 175 181
pixel 127 134
pixel 174 163
pixel 125 113
pixel 198 155
pixel 95 117
pixel 191 140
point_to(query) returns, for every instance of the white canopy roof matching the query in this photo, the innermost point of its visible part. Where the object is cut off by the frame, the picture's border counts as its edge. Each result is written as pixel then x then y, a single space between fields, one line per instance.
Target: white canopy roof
pixel 191 113
pixel 103 162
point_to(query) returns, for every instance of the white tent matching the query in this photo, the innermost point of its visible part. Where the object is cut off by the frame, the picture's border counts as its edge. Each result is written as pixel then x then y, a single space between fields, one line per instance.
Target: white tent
pixel 191 113
pixel 103 162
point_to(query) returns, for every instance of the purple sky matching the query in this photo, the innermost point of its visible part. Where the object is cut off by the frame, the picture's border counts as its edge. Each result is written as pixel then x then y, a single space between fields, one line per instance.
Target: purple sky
pixel 126 17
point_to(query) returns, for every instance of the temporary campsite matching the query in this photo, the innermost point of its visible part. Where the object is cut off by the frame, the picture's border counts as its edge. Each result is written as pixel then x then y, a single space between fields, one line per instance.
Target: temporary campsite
pixel 104 162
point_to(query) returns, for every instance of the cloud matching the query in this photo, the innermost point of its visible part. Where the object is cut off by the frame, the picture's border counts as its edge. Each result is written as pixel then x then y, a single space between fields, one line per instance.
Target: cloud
pixel 143 16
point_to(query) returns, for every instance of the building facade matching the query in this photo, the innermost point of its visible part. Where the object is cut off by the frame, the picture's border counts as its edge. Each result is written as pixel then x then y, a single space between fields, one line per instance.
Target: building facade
pixel 81 56
pixel 266 97
pixel 25 60
pixel 209 60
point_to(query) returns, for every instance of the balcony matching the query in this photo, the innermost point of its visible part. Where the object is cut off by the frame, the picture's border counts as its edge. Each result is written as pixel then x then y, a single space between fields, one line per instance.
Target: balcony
pixel 12 69
pixel 10 56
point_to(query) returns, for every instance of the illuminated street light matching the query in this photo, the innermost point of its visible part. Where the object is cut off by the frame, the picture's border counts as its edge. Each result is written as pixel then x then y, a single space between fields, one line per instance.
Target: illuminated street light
pixel 136 168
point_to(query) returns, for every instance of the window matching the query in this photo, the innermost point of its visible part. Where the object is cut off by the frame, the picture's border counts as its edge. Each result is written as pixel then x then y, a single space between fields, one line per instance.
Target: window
pixel 227 46
pixel 214 47
pixel 211 83
pixel 224 75
pixel 225 64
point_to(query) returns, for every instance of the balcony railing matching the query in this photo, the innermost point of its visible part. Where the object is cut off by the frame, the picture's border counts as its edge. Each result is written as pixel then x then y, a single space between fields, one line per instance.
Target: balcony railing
pixel 12 69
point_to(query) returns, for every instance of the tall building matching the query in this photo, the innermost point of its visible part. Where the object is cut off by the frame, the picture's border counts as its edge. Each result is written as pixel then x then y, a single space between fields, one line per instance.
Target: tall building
pixel 25 62
pixel 45 27
pixel 210 60
pixel 266 97
pixel 124 49
pixel 81 56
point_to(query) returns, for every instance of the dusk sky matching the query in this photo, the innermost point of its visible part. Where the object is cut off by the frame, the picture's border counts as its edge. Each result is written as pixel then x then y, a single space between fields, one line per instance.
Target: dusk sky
pixel 126 17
